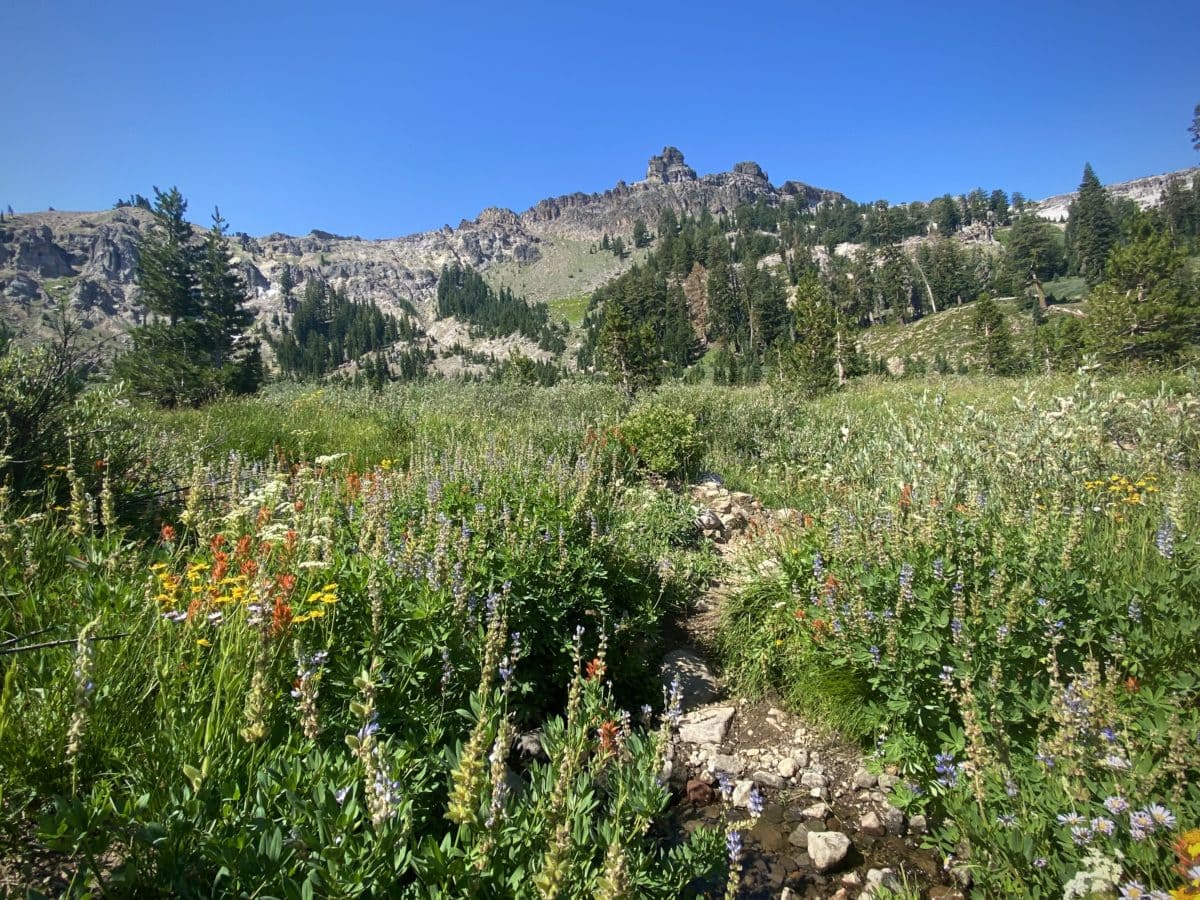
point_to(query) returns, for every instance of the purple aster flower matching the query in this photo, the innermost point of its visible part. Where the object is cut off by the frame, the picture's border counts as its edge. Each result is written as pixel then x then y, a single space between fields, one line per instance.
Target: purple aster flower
pixel 1006 820
pixel 1108 734
pixel 1103 825
pixel 1081 835
pixel 1040 862
pixel 1141 820
pixel 1133 890
pixel 1163 817
pixel 1071 819
pixel 1116 804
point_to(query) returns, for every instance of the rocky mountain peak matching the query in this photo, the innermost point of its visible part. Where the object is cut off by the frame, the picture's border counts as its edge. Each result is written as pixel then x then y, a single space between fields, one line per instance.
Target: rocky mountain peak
pixel 669 168
pixel 753 169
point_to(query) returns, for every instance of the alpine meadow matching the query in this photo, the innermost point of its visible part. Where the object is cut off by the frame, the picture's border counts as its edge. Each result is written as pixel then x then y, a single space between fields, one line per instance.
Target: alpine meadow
pixel 707 536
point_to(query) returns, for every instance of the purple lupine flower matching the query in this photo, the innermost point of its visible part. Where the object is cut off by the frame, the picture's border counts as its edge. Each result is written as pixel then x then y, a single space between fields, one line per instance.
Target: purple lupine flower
pixel 946 769
pixel 956 626
pixel 1135 611
pixel 733 844
pixel 756 802
pixel 340 795
pixel 1108 734
pixel 1164 538
pixel 1040 862
pixel 1002 632
pixel 939 568
pixel 1010 787
pixel 906 579
pixel 875 654
pixel 947 676
pixel 726 785
pixel 818 567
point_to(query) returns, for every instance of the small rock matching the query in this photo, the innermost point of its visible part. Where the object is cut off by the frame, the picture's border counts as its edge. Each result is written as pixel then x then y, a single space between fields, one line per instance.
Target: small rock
pixel 893 820
pixel 871 824
pixel 741 793
pixel 840 894
pixel 788 894
pixel 827 849
pixel 800 757
pixel 800 736
pixel 813 780
pixel 799 836
pixel 667 770
pixel 887 782
pixel 882 878
pixel 730 764
pixel 786 767
pixel 706 726
pixel 917 824
pixel 818 811
pixel 851 880
pixel 697 683
pixel 699 793
pixel 741 497
pixel 768 779
pixel 769 837
pixel 864 780
pixel 962 876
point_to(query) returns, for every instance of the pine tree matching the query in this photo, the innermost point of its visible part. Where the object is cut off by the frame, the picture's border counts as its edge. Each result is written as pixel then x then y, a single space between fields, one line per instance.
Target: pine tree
pixel 641 236
pixel 167 260
pixel 1148 309
pixel 194 350
pixel 1092 229
pixel 813 361
pixel 993 338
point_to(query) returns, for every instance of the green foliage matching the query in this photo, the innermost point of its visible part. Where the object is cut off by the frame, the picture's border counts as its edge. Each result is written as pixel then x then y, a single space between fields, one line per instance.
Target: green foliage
pixel 664 438
pixel 327 330
pixel 462 292
pixel 1148 308
pixel 993 338
pixel 290 690
pixel 1006 620
pixel 198 347
pixel 1092 229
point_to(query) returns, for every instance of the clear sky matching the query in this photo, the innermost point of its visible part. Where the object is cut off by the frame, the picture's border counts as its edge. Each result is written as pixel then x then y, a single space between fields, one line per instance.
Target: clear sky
pixel 385 118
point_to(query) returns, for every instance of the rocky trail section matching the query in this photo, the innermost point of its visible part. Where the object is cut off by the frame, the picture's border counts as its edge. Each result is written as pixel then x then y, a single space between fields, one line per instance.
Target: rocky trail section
pixel 827 828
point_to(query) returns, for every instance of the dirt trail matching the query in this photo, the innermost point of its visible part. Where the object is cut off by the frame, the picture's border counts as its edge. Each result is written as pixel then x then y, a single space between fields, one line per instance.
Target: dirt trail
pixel 827 829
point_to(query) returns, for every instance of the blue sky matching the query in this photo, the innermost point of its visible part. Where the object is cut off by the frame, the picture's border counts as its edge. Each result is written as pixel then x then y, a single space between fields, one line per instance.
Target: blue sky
pixel 384 118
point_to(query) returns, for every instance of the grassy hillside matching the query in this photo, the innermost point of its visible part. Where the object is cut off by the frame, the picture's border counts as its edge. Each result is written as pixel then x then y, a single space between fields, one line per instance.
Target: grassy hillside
pixel 949 333
pixel 566 269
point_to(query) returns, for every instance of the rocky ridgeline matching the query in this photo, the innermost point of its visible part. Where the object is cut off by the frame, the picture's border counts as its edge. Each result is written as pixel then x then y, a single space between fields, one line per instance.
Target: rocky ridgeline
pixel 89 259
pixel 828 827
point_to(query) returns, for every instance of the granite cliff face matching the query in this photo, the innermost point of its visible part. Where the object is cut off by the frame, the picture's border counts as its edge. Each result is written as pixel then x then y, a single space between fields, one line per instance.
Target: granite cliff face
pixel 1145 192
pixel 89 259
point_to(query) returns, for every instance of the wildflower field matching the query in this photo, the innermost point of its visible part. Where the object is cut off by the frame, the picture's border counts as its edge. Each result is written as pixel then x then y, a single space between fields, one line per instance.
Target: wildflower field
pixel 293 645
